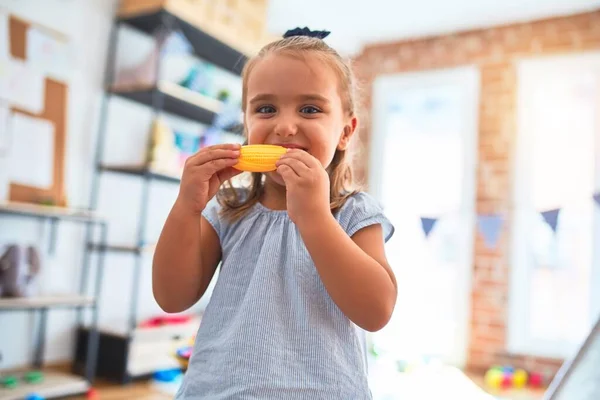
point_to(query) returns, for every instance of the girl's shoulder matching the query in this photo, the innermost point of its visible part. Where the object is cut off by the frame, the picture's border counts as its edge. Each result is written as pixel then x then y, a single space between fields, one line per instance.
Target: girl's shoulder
pixel 213 211
pixel 361 210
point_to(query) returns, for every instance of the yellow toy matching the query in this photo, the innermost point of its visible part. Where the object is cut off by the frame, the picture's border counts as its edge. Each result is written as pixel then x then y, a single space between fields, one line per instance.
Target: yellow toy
pixel 493 378
pixel 259 157
pixel 520 378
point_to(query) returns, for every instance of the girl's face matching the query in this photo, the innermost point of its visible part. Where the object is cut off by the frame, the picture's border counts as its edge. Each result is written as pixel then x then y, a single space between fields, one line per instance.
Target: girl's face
pixel 295 102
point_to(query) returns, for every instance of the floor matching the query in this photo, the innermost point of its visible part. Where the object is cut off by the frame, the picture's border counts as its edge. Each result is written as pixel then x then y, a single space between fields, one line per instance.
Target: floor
pixel 428 385
pixel 137 391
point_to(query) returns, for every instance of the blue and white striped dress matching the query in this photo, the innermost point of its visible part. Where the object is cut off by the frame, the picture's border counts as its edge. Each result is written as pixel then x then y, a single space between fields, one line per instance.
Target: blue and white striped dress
pixel 271 330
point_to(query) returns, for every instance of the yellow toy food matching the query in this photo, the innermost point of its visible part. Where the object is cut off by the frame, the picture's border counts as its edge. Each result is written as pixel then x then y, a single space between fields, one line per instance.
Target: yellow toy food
pixel 259 157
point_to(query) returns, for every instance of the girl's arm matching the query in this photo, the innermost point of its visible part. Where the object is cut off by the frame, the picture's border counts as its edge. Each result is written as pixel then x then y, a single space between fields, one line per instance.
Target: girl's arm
pixel 354 270
pixel 186 257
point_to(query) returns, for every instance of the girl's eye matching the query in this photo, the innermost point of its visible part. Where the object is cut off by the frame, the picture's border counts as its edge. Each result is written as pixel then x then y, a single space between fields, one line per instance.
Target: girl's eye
pixel 310 110
pixel 265 110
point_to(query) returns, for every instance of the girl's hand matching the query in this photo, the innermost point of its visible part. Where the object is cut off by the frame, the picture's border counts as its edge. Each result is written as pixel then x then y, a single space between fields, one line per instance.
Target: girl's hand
pixel 307 186
pixel 203 174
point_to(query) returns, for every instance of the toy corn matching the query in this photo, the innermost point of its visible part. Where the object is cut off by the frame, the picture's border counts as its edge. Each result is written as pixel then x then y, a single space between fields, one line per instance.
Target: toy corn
pixel 259 157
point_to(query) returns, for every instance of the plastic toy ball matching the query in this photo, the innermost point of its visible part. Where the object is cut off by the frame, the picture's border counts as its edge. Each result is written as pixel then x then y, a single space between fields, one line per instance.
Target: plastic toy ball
pixel 494 378
pixel 508 369
pixel 91 394
pixel 519 378
pixel 507 379
pixel 535 380
pixel 34 396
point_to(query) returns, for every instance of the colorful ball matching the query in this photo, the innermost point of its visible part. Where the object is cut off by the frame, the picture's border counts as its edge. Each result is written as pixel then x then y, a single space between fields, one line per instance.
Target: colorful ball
pixel 535 379
pixel 519 378
pixel 496 368
pixel 508 368
pixel 507 379
pixel 493 378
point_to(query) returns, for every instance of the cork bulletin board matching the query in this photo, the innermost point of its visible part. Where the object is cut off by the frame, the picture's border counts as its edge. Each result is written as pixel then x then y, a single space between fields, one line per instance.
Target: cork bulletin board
pixel 54 110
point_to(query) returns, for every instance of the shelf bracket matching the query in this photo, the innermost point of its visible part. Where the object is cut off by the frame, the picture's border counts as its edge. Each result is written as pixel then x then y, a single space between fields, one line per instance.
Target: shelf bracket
pixel 40 345
pixel 53 228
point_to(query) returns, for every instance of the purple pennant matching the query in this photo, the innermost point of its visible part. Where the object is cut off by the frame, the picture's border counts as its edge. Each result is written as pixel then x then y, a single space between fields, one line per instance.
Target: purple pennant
pixel 551 218
pixel 490 227
pixel 597 198
pixel 428 224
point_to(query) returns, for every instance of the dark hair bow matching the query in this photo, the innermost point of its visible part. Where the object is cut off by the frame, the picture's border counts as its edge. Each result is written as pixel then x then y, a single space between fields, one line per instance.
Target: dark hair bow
pixel 306 32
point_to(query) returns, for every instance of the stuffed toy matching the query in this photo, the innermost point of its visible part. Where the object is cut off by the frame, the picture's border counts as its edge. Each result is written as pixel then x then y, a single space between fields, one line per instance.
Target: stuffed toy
pixel 18 266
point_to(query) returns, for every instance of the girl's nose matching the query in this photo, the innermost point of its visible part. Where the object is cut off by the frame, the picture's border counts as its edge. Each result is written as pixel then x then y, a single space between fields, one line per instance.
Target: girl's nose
pixel 286 127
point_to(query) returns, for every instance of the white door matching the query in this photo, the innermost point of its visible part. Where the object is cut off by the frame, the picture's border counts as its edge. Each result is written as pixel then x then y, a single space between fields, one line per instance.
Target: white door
pixel 423 164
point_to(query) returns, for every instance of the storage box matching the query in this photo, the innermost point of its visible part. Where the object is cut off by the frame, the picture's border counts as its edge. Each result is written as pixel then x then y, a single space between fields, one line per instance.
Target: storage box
pixel 240 24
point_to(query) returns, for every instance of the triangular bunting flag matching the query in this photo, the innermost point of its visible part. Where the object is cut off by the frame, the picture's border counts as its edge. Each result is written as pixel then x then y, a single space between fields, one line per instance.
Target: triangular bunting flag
pixel 597 198
pixel 428 224
pixel 551 218
pixel 490 226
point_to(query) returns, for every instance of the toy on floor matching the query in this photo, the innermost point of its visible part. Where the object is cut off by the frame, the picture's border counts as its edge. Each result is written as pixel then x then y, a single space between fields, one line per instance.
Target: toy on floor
pixel 9 381
pixel 259 157
pixel 165 320
pixel 184 353
pixel 183 356
pixel 33 377
pixel 509 377
pixel 494 378
pixel 535 380
pixel 519 378
pixel 167 381
pixel 91 394
pixel 34 396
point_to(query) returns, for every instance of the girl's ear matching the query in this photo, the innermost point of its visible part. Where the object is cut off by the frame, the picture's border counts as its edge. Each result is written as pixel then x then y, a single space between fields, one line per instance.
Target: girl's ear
pixel 349 130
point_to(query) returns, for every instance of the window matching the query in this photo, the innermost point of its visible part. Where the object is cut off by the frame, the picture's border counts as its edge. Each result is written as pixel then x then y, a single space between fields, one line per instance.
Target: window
pixel 427 122
pixel 554 274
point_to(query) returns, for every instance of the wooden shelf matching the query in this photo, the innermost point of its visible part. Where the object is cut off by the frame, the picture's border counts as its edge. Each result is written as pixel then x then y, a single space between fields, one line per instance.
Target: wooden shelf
pixel 42 211
pixel 204 45
pixel 47 301
pixel 173 104
pixel 177 100
pixel 140 171
pixel 122 248
pixel 54 385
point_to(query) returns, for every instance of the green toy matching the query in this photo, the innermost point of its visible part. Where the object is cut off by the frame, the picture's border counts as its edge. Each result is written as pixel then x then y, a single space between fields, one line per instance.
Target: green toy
pixel 34 377
pixel 9 381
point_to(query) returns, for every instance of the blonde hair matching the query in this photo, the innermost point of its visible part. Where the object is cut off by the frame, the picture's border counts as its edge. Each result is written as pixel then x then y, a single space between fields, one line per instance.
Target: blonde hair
pixel 340 172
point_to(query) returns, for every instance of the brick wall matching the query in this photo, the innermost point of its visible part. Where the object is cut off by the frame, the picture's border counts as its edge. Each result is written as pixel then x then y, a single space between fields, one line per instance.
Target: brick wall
pixel 493 50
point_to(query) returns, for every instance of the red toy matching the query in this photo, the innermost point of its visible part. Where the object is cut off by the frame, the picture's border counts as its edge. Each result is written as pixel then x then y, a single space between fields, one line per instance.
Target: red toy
pixel 507 379
pixel 535 379
pixel 165 320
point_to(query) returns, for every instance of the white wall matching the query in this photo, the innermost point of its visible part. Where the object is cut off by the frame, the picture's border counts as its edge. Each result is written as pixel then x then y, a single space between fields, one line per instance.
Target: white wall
pixel 87 23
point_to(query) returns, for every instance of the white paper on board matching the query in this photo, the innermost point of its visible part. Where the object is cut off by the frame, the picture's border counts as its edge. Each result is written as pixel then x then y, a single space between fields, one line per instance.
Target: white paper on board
pixel 4 43
pixel 31 151
pixel 25 86
pixel 47 53
pixel 4 127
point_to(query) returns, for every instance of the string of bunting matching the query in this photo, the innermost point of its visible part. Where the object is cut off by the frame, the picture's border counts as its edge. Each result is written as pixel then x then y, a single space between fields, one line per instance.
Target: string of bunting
pixel 490 225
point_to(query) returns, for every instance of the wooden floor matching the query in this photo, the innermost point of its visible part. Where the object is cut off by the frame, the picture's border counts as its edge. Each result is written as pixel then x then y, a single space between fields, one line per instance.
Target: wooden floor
pixel 510 394
pixel 137 391
pixel 425 384
pixel 146 391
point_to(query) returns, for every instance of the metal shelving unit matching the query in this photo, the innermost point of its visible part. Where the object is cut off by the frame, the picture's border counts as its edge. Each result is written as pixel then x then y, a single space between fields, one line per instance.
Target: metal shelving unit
pixel 55 384
pixel 116 353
